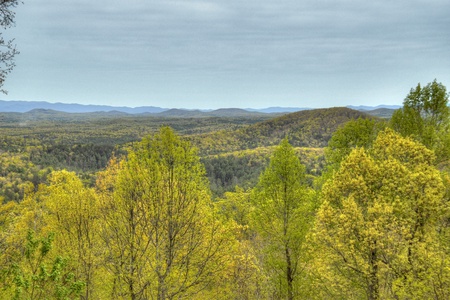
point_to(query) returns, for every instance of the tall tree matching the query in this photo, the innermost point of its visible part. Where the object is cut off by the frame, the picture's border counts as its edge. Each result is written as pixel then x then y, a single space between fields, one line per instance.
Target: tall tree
pixel 72 213
pixel 164 239
pixel 8 48
pixel 377 228
pixel 425 117
pixel 281 217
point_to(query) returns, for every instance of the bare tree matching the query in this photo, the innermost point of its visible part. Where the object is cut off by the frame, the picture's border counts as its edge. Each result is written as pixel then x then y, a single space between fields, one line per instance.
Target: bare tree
pixel 7 47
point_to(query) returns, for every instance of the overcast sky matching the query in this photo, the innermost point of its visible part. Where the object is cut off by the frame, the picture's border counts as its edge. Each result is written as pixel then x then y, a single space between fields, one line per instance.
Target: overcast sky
pixel 228 53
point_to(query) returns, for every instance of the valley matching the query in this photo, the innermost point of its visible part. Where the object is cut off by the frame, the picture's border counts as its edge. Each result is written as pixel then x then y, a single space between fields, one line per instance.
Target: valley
pixel 43 140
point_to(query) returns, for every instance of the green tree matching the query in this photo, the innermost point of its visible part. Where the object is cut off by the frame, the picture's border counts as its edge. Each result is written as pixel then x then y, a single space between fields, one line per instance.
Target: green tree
pixel 69 212
pixel 361 132
pixel 237 206
pixel 33 274
pixel 162 231
pixel 282 213
pixel 376 232
pixel 72 211
pixel 425 117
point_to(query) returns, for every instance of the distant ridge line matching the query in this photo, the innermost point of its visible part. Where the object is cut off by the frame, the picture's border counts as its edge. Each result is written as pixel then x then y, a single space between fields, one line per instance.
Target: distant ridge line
pixel 18 106
pixel 26 106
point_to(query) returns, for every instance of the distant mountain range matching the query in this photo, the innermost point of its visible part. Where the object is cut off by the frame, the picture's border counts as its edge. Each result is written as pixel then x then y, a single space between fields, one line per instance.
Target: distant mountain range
pixel 26 106
pixel 363 107
pixel 278 109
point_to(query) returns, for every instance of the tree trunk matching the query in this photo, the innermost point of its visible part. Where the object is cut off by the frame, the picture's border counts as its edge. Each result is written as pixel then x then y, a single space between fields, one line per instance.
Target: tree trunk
pixel 373 289
pixel 289 275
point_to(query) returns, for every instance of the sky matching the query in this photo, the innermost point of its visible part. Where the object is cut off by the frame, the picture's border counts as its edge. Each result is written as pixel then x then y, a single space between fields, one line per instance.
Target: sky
pixel 217 54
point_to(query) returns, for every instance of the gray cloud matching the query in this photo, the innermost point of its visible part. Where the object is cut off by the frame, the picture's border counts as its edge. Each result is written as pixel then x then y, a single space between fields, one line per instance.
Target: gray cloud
pixel 234 44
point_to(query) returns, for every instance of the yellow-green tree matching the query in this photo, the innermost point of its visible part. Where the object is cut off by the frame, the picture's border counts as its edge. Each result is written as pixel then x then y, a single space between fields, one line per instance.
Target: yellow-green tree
pixel 282 213
pixel 73 214
pixel 33 274
pixel 246 277
pixel 40 254
pixel 161 228
pixel 376 232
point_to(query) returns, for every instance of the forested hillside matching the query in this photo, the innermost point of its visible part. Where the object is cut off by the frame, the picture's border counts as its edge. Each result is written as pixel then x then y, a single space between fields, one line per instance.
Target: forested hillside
pixel 43 140
pixel 321 204
pixel 309 128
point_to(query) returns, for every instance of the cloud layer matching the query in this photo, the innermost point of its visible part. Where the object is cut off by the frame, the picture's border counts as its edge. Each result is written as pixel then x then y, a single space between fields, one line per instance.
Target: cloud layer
pixel 229 53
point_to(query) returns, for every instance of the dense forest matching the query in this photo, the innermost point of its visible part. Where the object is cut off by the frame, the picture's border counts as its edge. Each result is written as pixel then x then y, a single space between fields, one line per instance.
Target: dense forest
pixel 318 204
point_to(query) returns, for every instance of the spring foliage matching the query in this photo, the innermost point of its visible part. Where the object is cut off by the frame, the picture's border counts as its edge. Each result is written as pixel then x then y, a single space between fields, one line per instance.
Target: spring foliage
pixel 281 216
pixel 377 225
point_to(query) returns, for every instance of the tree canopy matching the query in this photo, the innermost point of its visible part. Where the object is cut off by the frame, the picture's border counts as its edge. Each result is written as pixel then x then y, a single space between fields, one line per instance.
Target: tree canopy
pixel 282 216
pixel 379 223
pixel 425 117
pixel 374 225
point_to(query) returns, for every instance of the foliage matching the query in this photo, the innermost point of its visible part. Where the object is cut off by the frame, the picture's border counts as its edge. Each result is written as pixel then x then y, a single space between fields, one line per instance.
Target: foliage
pixel 148 226
pixel 34 276
pixel 242 168
pixel 162 235
pixel 377 228
pixel 282 214
pixel 310 128
pixel 425 117
pixel 72 211
pixel 355 133
pixel 18 176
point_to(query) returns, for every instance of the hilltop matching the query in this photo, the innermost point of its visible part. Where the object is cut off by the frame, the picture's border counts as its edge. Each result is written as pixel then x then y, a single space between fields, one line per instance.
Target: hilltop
pixel 308 128
pixel 213 132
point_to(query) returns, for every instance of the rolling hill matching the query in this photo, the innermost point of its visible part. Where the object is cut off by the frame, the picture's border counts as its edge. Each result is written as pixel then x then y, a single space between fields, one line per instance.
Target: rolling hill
pixel 308 128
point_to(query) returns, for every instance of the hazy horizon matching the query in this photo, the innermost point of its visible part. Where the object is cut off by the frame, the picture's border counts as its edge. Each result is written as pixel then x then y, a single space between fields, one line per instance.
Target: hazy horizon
pixel 56 105
pixel 213 54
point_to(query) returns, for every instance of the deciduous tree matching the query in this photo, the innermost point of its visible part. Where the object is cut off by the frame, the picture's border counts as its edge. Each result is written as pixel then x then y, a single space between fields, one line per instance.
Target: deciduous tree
pixel 8 48
pixel 33 275
pixel 164 238
pixel 355 133
pixel 377 228
pixel 282 215
pixel 425 117
pixel 73 214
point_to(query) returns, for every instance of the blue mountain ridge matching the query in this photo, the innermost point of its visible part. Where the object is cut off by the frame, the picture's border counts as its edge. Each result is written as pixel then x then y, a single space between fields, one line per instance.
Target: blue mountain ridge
pixel 26 106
